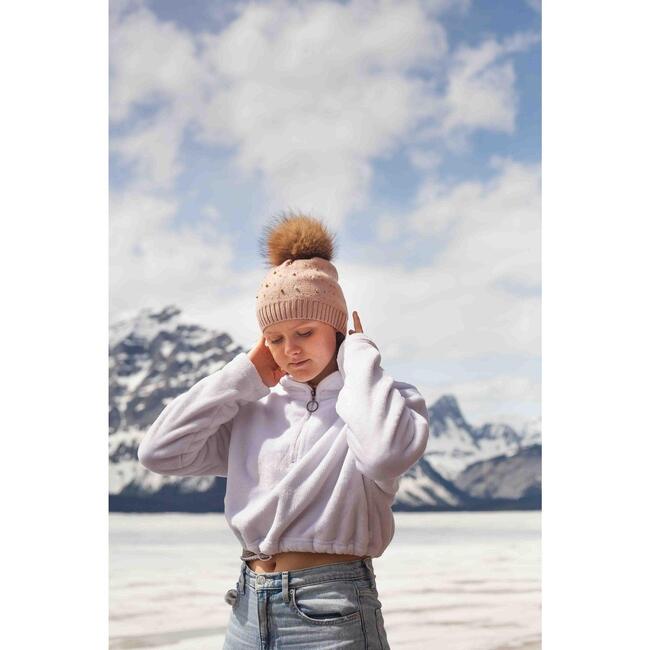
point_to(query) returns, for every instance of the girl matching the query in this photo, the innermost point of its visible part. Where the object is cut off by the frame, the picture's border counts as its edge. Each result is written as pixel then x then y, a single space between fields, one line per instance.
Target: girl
pixel 313 436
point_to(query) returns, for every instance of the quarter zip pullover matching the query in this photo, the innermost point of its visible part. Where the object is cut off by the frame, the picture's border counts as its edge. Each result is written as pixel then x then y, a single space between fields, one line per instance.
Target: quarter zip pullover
pixel 308 469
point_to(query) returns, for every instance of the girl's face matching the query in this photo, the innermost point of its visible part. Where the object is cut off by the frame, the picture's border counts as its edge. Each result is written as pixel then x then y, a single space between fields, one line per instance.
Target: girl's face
pixel 310 341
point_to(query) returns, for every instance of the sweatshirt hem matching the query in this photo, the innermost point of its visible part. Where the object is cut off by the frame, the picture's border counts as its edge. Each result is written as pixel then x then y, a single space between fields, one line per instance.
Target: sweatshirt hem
pixel 307 545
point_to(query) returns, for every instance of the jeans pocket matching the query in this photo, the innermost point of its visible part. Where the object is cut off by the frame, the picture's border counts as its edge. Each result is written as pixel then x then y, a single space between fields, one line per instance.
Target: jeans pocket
pixel 326 603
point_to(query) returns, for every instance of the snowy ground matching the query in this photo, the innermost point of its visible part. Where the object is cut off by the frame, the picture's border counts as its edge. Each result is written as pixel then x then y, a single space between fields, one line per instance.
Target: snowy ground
pixel 458 581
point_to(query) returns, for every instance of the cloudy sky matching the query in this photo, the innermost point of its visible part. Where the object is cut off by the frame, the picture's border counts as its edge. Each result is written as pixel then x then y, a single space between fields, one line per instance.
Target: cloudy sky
pixel 412 128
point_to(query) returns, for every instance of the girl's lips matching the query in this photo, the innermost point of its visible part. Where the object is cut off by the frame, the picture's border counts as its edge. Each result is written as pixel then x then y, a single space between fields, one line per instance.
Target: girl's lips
pixel 300 363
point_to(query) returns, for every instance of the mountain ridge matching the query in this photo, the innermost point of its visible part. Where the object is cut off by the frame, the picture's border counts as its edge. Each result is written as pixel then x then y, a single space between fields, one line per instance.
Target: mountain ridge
pixel 156 355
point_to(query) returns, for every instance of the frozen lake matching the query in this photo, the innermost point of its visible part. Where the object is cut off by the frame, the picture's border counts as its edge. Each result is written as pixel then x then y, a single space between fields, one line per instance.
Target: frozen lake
pixel 454 581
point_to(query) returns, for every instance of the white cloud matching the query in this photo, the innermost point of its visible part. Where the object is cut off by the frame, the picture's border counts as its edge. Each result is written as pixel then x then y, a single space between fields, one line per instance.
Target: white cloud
pixel 387 229
pixel 433 324
pixel 506 398
pixel 211 213
pixel 424 158
pixel 306 95
pixel 429 314
pixel 481 87
pixel 151 264
pixel 478 296
pixel 152 149
pixel 310 93
pixel 493 228
pixel 150 60
pixel 535 5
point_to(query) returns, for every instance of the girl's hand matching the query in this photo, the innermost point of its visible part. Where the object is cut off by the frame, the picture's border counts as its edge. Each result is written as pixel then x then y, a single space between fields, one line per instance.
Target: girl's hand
pixel 357 323
pixel 266 366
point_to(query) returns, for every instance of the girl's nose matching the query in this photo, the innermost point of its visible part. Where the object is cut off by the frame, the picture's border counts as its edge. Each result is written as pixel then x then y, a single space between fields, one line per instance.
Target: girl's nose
pixel 292 350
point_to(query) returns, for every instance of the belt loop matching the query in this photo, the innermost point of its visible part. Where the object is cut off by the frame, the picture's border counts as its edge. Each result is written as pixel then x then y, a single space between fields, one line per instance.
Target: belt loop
pixel 285 586
pixel 371 572
pixel 242 578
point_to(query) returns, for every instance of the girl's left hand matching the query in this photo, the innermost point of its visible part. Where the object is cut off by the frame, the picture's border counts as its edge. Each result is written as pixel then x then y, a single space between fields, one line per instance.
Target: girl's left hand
pixel 357 323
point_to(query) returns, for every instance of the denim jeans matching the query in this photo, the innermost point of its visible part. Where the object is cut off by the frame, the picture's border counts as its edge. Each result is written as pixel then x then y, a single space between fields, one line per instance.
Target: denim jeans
pixel 327 606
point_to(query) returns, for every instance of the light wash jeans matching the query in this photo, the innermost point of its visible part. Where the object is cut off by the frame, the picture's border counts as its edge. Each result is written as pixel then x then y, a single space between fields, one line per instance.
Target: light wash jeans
pixel 329 606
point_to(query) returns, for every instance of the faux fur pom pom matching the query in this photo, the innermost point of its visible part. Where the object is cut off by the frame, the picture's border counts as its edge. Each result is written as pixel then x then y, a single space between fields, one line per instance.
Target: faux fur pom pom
pixel 294 236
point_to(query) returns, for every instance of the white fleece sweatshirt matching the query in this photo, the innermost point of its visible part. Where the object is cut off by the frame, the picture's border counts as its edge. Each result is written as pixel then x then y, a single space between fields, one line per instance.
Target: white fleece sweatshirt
pixel 320 481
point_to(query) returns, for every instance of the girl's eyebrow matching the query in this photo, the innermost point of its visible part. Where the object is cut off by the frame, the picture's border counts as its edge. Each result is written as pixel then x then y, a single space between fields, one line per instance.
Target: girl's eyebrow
pixel 311 322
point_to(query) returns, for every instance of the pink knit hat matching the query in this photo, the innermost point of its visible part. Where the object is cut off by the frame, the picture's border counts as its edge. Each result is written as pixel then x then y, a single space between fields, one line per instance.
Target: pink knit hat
pixel 302 282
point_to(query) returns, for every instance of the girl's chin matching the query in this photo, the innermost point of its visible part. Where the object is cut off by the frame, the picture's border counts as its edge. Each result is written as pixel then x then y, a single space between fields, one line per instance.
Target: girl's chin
pixel 304 376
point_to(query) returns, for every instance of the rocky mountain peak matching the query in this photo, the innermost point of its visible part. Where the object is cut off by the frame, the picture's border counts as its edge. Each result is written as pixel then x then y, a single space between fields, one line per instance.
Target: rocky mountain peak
pixel 444 411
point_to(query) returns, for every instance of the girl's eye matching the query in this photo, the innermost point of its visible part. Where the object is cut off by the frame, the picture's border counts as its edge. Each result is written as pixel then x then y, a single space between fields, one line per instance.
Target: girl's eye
pixel 299 334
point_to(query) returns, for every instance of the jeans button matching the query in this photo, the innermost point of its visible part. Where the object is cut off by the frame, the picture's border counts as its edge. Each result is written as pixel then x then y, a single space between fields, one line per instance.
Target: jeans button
pixel 260 580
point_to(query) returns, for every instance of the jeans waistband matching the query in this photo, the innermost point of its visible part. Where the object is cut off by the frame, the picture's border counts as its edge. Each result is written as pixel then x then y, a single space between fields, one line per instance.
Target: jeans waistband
pixel 311 575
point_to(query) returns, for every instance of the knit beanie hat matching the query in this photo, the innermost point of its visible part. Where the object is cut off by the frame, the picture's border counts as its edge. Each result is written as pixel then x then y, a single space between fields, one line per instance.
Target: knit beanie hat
pixel 302 281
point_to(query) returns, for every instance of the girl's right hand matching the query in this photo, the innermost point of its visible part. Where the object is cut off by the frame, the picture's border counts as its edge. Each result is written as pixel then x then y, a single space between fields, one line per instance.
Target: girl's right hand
pixel 266 366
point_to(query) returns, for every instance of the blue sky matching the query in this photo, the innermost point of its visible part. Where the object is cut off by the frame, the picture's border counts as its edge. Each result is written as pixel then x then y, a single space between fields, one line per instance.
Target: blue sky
pixel 411 127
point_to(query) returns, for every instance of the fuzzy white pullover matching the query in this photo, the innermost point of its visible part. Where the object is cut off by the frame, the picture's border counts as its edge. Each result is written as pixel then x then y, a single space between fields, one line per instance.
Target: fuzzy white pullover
pixel 321 481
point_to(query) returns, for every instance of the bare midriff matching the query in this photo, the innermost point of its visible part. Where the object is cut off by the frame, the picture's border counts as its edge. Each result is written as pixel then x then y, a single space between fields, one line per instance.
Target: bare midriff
pixel 292 560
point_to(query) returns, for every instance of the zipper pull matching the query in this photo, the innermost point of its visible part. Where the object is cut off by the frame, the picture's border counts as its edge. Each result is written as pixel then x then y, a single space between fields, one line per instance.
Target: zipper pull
pixel 312 404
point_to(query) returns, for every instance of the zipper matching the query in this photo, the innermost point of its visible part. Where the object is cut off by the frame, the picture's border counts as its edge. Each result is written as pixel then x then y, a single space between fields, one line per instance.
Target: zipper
pixel 311 406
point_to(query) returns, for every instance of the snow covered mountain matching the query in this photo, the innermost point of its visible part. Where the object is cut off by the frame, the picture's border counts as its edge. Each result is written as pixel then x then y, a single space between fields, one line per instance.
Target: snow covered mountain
pixel 152 359
pixel 455 444
pixel 505 482
pixel 423 488
pixel 514 477
pixel 157 355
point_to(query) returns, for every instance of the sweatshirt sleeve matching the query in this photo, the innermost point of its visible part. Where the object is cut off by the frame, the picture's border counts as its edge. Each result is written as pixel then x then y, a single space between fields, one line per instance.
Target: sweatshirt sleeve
pixel 388 422
pixel 191 436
